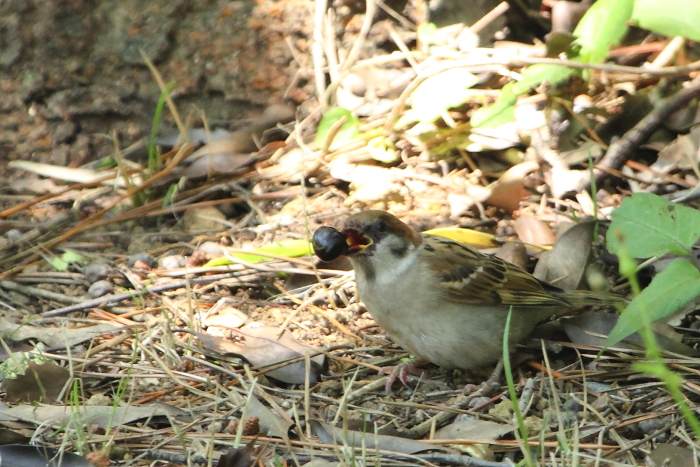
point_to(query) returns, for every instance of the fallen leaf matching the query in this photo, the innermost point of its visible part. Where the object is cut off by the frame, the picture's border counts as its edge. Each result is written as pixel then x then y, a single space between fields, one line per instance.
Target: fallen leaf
pixel 565 264
pixel 533 231
pixel 102 416
pixel 54 336
pixel 19 455
pixel 332 435
pixel 592 329
pixel 261 347
pixel 39 383
pixel 670 455
pixel 469 236
pixel 473 429
pixel 509 189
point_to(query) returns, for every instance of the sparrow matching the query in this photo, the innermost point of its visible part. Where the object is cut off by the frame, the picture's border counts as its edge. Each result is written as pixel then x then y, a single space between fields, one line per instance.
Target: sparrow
pixel 441 300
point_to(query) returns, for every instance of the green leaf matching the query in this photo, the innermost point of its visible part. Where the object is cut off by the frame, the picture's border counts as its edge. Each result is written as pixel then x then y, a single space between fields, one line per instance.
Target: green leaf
pixel 58 264
pixel 382 150
pixel 603 25
pixel 503 110
pixel 668 292
pixel 68 256
pixel 652 226
pixel 72 257
pixel 669 17
pixel 437 94
pixel 349 130
pixel 286 248
pixel 427 33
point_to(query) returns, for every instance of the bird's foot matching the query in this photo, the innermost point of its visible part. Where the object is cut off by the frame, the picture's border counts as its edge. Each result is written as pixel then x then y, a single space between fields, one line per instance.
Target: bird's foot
pixel 401 372
pixel 488 386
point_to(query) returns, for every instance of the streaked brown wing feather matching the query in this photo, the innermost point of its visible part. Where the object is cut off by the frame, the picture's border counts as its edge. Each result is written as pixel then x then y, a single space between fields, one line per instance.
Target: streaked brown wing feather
pixel 474 278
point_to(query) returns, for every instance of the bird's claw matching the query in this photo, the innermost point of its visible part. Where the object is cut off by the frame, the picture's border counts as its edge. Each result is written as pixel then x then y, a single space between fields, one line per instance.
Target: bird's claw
pixel 401 372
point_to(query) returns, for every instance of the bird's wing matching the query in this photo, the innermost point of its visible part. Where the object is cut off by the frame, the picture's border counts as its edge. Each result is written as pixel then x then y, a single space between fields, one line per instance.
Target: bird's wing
pixel 475 278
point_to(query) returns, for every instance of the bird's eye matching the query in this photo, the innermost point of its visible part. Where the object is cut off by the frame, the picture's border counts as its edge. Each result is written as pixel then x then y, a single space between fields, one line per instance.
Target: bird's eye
pixel 381 226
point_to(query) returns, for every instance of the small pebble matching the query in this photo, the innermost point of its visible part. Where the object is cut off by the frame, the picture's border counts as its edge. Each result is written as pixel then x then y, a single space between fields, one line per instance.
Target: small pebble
pixel 172 262
pixel 96 272
pixel 212 248
pixel 100 288
pixel 463 417
pixel 651 425
pixel 141 257
pixel 478 402
pixel 572 405
pixel 13 234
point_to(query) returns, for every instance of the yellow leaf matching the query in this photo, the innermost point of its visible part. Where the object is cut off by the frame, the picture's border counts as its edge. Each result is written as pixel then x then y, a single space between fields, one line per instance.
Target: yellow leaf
pixel 469 236
pixel 286 248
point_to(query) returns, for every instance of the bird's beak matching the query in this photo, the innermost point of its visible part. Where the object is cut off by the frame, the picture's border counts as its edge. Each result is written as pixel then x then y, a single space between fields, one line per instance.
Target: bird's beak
pixel 357 241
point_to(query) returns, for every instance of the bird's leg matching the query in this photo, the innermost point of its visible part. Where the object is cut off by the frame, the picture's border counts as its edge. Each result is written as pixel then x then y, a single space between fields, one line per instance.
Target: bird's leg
pixel 401 371
pixel 487 385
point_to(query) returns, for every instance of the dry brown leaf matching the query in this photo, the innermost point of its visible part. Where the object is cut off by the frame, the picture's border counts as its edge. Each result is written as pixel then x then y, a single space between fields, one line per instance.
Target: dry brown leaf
pixel 39 383
pixel 334 436
pixel 565 264
pixel 670 455
pixel 509 189
pixel 592 329
pixel 533 231
pixel 261 347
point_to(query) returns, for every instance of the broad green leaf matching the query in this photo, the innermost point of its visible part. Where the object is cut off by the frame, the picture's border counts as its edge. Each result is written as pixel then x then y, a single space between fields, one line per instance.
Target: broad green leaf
pixel 603 25
pixel 500 112
pixel 503 110
pixel 534 75
pixel 669 17
pixel 668 292
pixel 437 94
pixel 652 226
pixel 349 130
pixel 286 248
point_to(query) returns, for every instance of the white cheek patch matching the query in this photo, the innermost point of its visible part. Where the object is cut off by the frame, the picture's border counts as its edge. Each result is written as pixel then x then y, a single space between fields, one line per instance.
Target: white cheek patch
pixel 395 269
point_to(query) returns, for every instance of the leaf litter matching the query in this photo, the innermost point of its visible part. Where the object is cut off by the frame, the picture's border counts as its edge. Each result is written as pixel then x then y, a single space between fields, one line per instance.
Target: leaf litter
pixel 307 359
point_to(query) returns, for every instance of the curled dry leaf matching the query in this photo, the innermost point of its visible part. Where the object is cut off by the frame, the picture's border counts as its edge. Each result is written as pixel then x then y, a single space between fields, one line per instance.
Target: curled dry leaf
pixel 262 348
pixel 53 336
pixel 334 436
pixel 592 329
pixel 39 383
pixel 509 189
pixel 533 231
pixel 475 430
pixel 565 264
pixel 514 253
pixel 103 416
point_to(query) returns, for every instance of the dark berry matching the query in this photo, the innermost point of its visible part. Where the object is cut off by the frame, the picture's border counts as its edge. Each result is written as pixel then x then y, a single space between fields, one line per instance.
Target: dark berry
pixel 329 243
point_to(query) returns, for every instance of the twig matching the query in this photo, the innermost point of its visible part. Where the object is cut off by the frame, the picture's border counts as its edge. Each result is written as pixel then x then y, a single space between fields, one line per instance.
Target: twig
pixel 621 150
pixel 125 296
pixel 370 7
pixel 37 292
pixel 317 53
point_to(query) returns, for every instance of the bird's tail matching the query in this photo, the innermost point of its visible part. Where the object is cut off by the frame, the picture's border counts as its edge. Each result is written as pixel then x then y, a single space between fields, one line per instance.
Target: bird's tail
pixel 587 298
